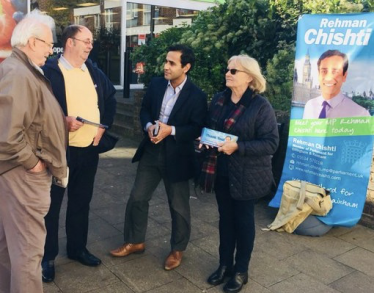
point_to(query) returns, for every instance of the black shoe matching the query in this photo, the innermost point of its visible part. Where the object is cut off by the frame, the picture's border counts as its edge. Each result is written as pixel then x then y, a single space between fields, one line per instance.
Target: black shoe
pixel 235 284
pixel 218 277
pixel 48 271
pixel 86 258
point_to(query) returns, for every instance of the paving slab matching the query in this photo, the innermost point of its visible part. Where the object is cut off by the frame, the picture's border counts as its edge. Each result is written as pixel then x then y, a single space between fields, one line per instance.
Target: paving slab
pixel 329 245
pixel 209 244
pixel 267 270
pixel 77 278
pixel 319 266
pixel 179 285
pixel 139 279
pixel 356 282
pixel 360 259
pixel 301 283
pixel 286 246
pixel 360 236
pixel 118 287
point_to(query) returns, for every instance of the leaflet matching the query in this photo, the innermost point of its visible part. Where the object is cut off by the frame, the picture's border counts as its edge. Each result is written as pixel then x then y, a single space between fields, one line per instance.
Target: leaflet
pixel 213 137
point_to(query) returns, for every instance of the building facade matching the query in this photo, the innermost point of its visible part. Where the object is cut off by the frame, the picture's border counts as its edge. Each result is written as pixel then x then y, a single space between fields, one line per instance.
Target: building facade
pixel 118 27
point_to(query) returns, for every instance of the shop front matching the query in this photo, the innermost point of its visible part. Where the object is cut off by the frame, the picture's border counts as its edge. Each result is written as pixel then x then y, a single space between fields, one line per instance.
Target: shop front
pixel 118 26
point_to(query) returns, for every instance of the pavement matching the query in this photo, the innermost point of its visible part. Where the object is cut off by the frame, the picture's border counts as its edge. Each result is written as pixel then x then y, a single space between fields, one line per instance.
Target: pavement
pixel 340 261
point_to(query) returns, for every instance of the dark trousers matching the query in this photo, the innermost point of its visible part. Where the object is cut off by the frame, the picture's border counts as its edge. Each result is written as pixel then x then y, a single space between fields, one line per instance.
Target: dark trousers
pixel 151 171
pixel 82 166
pixel 236 227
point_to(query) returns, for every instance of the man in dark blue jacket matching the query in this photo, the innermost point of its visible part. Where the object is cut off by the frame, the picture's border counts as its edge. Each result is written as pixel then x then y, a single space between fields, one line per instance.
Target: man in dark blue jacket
pixel 166 153
pixel 81 90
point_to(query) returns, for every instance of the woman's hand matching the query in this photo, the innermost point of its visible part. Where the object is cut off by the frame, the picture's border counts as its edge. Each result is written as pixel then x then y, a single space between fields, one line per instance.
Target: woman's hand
pixel 228 147
pixel 201 145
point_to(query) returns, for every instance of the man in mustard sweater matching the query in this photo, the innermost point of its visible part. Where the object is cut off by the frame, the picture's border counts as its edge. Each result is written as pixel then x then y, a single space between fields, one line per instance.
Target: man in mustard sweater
pixel 81 90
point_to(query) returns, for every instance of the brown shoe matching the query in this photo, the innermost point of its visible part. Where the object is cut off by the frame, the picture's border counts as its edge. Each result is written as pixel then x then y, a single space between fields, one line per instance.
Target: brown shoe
pixel 128 248
pixel 173 260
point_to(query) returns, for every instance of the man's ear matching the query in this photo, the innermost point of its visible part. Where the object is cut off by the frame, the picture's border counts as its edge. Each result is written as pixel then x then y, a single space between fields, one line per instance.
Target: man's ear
pixel 345 76
pixel 186 68
pixel 32 43
pixel 70 42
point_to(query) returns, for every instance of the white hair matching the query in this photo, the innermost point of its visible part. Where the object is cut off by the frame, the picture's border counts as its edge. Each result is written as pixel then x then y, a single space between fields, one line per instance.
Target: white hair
pixel 32 25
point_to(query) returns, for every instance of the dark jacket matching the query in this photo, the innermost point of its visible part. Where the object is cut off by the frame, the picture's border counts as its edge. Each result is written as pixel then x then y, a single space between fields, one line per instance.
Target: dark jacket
pixel 188 117
pixel 249 168
pixel 104 88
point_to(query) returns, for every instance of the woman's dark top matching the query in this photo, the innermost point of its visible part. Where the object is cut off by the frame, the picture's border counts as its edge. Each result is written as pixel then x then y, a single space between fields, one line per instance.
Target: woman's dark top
pixel 249 168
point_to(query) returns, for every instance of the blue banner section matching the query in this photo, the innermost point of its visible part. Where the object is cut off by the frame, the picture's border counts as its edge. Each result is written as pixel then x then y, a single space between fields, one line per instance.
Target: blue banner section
pixel 333 78
pixel 341 164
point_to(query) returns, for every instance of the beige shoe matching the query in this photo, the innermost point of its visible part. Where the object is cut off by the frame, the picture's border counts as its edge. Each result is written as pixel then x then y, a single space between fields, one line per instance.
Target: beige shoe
pixel 127 249
pixel 173 260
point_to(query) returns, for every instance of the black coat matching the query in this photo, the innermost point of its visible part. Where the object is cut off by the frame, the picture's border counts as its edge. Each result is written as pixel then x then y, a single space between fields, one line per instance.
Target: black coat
pixel 188 117
pixel 249 168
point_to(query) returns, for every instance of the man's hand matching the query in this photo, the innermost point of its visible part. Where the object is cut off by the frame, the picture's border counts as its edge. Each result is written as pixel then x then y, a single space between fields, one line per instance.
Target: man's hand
pixel 164 131
pixel 100 132
pixel 151 128
pixel 39 167
pixel 73 123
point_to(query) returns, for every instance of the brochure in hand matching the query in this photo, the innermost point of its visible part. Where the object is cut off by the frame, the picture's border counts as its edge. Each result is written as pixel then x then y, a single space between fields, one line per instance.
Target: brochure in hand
pixel 213 137
pixel 92 123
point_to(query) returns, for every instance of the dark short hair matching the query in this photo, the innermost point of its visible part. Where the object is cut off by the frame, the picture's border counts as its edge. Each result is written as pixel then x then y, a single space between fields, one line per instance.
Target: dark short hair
pixel 330 53
pixel 187 54
pixel 69 32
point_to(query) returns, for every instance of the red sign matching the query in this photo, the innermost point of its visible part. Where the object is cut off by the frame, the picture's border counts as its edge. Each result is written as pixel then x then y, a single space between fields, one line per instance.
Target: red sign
pixel 7 24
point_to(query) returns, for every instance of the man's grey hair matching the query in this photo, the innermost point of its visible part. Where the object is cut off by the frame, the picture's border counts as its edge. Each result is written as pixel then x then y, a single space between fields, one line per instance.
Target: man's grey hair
pixel 30 26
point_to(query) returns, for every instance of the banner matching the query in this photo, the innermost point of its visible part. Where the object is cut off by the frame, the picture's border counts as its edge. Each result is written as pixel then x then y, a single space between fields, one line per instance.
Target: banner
pixel 331 129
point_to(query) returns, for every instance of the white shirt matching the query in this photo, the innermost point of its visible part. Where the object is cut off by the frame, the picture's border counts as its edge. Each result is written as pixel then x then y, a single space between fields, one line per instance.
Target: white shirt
pixel 68 66
pixel 170 98
pixel 339 106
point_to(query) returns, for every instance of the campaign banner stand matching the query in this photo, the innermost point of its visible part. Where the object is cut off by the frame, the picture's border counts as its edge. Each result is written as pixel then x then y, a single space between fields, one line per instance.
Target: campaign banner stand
pixel 331 129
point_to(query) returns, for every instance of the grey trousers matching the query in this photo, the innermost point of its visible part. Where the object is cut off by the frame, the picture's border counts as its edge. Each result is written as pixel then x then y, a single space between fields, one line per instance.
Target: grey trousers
pixel 150 172
pixel 24 201
pixel 312 227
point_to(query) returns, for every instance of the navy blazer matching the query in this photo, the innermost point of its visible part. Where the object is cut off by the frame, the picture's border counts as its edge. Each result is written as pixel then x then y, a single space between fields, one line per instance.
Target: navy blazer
pixel 187 116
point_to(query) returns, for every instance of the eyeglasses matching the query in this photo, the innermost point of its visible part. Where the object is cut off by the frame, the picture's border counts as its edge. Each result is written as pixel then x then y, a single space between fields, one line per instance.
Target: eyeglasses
pixel 45 42
pixel 233 71
pixel 87 42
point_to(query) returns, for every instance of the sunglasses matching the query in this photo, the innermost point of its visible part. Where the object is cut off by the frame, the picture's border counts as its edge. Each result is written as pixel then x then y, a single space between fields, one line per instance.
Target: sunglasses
pixel 233 71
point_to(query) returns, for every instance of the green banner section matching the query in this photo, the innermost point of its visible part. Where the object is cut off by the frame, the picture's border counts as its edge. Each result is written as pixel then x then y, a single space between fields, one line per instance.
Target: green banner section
pixel 349 126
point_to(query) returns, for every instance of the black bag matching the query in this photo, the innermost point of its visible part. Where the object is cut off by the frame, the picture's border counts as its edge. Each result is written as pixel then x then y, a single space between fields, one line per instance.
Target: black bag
pixel 107 142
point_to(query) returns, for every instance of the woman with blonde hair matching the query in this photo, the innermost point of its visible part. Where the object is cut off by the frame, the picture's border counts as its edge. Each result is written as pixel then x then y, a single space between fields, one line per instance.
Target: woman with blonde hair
pixel 239 172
